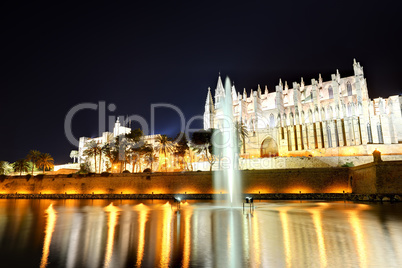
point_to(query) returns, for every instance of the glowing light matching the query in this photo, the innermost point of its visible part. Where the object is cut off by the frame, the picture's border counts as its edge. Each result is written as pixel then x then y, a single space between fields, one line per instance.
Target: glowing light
pixel 320 237
pixel 50 224
pixel 187 239
pixel 111 229
pixel 298 190
pixel 359 237
pixel 256 241
pixel 286 237
pixel 166 235
pixel 142 219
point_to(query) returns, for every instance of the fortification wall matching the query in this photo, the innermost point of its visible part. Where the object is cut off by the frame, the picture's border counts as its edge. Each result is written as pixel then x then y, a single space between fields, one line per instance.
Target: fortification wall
pixel 300 162
pixel 377 178
pixel 314 180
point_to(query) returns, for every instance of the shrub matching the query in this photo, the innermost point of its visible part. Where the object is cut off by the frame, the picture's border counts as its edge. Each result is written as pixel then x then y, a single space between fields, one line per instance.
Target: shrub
pixel 147 170
pixel 84 168
pixel 348 164
pixel 126 171
pixel 105 174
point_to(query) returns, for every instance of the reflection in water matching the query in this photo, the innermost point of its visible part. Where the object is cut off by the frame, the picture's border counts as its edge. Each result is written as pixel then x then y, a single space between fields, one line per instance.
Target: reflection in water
pixel 142 219
pixel 255 231
pixel 286 237
pixel 291 234
pixel 358 237
pixel 320 237
pixel 51 221
pixel 112 221
pixel 187 239
pixel 166 235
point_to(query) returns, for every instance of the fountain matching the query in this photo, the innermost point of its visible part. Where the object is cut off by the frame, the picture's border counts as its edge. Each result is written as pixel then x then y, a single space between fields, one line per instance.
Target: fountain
pixel 225 145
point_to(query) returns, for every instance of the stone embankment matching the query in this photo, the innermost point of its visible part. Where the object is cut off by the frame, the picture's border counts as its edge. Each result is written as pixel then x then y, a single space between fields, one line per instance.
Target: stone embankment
pixel 284 196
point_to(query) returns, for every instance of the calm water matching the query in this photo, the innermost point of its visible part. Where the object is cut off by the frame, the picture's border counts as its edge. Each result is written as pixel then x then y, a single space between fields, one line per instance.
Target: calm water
pixel 86 233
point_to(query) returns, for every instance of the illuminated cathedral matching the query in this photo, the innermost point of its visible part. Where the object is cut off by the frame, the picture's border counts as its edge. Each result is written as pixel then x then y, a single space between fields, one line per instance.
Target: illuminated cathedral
pixel 324 118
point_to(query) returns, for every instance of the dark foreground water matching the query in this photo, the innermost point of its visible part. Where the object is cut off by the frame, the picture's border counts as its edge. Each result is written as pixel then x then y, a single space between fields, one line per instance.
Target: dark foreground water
pixel 129 233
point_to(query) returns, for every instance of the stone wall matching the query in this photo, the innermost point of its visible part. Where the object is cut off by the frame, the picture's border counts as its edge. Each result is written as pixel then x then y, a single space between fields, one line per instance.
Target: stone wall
pixel 377 178
pixel 300 162
pixel 317 180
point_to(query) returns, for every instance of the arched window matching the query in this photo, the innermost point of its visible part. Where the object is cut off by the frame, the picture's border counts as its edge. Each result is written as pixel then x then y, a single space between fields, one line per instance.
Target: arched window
pixel 349 109
pixel 310 117
pixel 329 136
pixel 291 119
pixel 278 120
pixel 271 121
pixel 379 130
pixel 369 134
pixel 330 93
pixel 349 88
pixel 269 148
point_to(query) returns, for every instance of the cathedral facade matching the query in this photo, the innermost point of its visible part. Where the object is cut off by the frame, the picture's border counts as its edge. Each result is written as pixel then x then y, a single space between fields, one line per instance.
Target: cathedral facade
pixel 325 118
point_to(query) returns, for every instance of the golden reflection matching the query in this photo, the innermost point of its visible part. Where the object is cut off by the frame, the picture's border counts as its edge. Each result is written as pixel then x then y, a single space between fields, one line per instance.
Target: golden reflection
pixel 187 239
pixel 359 236
pixel 256 241
pixel 317 220
pixel 50 223
pixel 166 235
pixel 112 221
pixel 286 237
pixel 142 219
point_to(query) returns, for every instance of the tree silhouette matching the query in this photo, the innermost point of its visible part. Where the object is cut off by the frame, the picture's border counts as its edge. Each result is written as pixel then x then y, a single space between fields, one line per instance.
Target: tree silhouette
pixel 33 156
pixel 92 150
pixel 45 161
pixel 181 147
pixel 165 146
pixel 5 168
pixel 202 143
pixel 20 166
pixel 74 155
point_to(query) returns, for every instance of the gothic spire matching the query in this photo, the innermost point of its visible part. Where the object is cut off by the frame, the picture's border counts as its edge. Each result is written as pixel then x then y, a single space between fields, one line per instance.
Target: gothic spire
pixel 220 90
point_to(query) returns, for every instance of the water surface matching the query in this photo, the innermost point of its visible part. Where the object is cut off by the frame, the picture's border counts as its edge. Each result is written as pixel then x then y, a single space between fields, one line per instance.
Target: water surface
pixel 132 233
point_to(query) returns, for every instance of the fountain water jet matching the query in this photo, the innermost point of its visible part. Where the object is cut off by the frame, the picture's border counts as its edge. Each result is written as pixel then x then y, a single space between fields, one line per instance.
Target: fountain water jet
pixel 225 145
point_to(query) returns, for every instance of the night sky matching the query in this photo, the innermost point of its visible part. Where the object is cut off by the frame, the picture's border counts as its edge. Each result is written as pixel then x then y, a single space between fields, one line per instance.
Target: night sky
pixel 56 56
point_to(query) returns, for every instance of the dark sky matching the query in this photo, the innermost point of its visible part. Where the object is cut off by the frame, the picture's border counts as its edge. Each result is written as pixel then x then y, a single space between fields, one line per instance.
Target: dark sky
pixel 55 56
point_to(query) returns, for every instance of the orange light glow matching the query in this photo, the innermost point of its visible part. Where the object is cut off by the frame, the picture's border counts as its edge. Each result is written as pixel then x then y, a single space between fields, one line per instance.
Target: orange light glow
pixel 187 238
pixel 142 219
pixel 297 190
pixel 50 224
pixel 111 229
pixel 317 220
pixel 358 232
pixel 256 241
pixel 286 236
pixel 166 235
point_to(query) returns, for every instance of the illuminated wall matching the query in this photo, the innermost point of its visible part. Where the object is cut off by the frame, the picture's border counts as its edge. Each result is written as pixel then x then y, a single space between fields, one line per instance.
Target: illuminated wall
pixel 379 178
pixel 314 180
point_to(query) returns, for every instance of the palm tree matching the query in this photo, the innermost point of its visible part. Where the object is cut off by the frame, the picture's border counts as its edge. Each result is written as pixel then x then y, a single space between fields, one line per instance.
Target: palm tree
pixel 165 146
pixel 74 155
pixel 149 154
pixel 102 150
pixel 5 168
pixel 202 143
pixel 92 150
pixel 33 156
pixel 181 147
pixel 21 165
pixel 243 133
pixel 45 161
